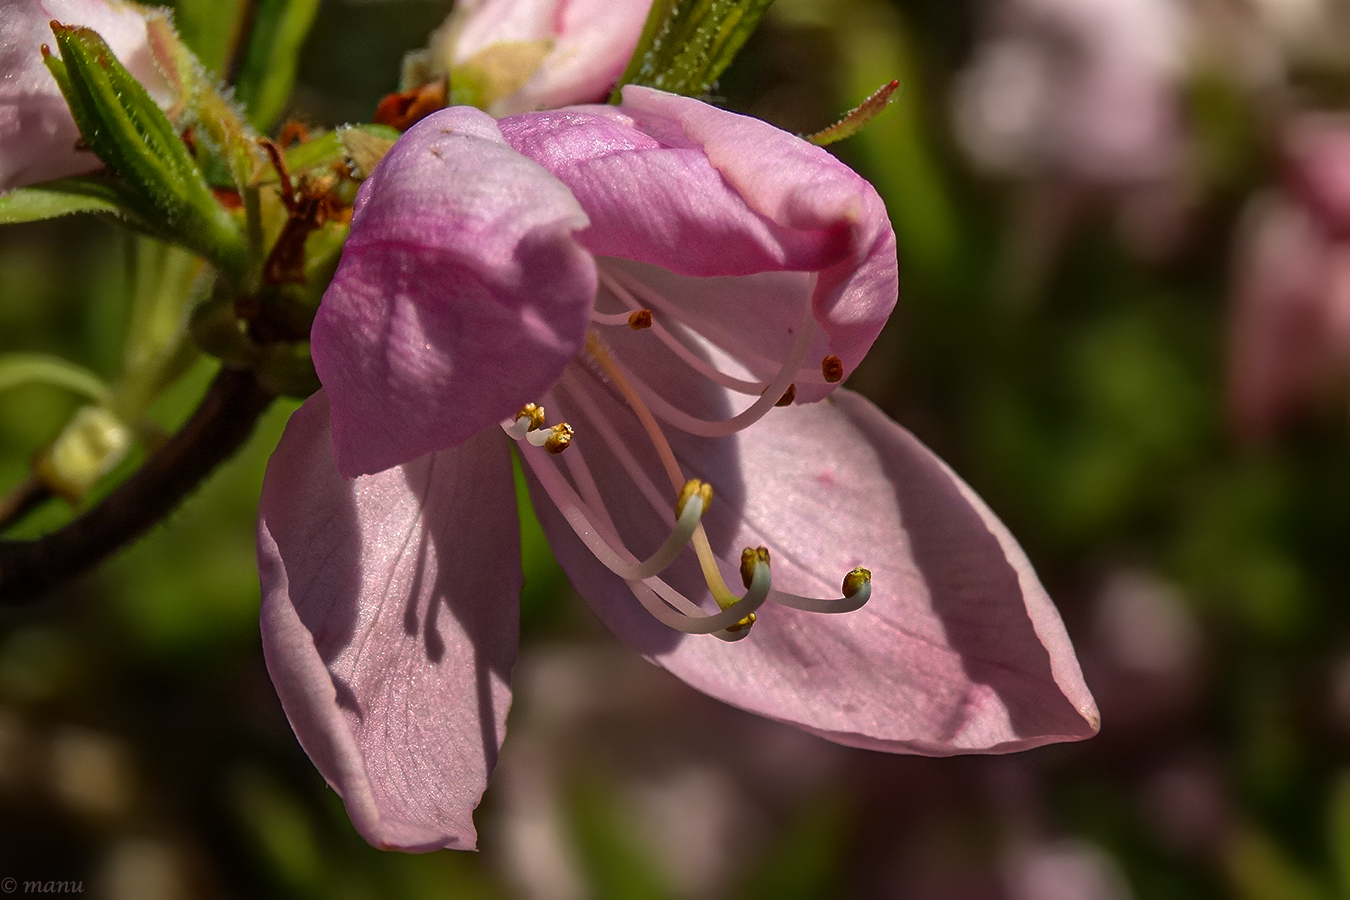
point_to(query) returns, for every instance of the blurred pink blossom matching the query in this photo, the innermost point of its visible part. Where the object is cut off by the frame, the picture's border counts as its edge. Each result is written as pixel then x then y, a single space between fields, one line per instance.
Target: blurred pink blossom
pixel 682 285
pixel 1290 336
pixel 538 54
pixel 1079 89
pixel 38 138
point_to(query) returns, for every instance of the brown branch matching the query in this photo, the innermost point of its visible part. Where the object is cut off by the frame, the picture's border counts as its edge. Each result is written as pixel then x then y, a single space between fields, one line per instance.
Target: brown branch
pixel 27 496
pixel 219 426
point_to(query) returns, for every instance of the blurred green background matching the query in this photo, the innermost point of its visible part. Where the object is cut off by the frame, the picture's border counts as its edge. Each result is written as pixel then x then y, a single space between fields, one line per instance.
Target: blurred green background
pixel 1077 382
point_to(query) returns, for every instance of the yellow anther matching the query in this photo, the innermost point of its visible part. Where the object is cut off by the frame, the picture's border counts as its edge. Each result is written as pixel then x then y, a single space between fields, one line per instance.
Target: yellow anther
pixel 742 624
pixel 788 396
pixel 750 557
pixel 832 367
pixel 691 487
pixel 534 412
pixel 854 581
pixel 640 319
pixel 559 439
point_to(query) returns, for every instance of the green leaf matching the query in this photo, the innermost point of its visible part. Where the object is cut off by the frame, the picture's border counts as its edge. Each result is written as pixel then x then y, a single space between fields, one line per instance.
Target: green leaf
pixel 127 130
pixel 38 368
pixel 211 28
pixel 62 197
pixel 685 46
pixel 268 74
pixel 1339 832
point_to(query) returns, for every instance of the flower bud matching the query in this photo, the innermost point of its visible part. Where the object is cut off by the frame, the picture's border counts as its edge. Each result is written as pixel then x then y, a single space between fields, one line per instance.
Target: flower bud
pixel 510 56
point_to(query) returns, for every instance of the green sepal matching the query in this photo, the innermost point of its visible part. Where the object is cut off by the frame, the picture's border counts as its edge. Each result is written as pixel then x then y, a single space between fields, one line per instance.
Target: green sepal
pixel 226 140
pixel 268 74
pixel 124 127
pixel 67 196
pixel 685 46
pixel 320 151
pixel 366 145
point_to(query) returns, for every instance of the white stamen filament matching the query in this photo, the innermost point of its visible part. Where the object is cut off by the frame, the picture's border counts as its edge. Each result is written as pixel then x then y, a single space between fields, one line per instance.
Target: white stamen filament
pixel 662 601
pixel 857 590
pixel 618 447
pixel 579 498
pixel 706 560
pixel 619 318
pixel 751 414
pixel 857 584
pixel 518 428
pixel 675 338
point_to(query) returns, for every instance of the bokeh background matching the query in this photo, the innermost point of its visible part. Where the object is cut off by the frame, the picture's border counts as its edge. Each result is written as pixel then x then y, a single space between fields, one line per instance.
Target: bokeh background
pixel 1111 324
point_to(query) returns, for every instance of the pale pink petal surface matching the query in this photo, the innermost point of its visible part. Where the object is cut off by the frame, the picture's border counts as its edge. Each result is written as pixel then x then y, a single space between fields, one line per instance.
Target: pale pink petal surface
pixel 389 625
pixel 37 135
pixel 461 294
pixel 959 648
pixel 702 192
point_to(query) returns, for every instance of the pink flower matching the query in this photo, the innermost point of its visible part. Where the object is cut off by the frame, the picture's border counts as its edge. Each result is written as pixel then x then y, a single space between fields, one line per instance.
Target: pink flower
pixel 38 138
pixel 1084 89
pixel 1291 325
pixel 660 275
pixel 521 55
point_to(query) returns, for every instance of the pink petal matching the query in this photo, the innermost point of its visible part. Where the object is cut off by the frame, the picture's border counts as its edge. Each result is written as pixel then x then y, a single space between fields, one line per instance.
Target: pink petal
pixel 703 192
pixel 1278 346
pixel 460 295
pixel 959 649
pixel 1318 148
pixel 389 625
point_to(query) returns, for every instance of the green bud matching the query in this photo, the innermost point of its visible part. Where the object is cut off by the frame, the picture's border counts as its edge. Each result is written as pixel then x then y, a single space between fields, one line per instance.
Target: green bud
pixel 93 442
pixel 127 130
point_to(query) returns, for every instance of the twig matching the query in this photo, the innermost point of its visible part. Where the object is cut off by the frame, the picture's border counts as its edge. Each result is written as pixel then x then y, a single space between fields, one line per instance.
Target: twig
pixel 27 496
pixel 218 427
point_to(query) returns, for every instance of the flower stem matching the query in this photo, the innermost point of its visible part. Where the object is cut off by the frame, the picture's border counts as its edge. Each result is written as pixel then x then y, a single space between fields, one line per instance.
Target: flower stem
pixel 219 426
pixel 26 496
